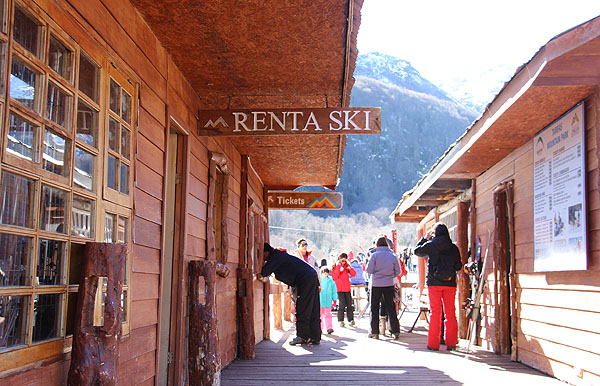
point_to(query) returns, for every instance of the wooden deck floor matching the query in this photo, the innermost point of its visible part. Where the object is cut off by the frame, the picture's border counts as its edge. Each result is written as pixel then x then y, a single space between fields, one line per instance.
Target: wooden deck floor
pixel 348 357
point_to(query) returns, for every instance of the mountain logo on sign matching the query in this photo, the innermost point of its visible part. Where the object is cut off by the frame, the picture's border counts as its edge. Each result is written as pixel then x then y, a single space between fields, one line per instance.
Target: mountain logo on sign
pixel 324 201
pixel 214 124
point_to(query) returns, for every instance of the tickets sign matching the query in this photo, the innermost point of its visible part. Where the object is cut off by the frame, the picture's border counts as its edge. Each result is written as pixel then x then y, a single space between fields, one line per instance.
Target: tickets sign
pixel 285 199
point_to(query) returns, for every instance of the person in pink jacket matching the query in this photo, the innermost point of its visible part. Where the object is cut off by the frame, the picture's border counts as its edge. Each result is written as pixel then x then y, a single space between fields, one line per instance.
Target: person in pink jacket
pixel 341 273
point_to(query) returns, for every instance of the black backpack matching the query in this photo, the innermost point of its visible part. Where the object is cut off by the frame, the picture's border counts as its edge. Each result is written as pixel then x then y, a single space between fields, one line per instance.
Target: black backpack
pixel 447 266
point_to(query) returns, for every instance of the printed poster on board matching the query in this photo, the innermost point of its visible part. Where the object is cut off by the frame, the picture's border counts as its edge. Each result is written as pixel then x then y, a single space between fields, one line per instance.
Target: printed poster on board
pixel 559 205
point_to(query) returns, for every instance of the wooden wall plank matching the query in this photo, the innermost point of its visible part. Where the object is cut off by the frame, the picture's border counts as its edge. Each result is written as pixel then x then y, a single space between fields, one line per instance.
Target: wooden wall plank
pixel 145 259
pixel 152 130
pixel 144 313
pixel 150 155
pixel 146 233
pixel 148 207
pixel 139 341
pixel 146 286
pixel 148 180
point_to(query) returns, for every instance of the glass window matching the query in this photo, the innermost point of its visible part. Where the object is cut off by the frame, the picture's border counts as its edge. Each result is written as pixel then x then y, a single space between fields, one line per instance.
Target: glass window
pixel 83 174
pixel 124 183
pixel 60 58
pixel 18 200
pixel 53 205
pixel 46 314
pixel 89 74
pixel 58 106
pixel 87 124
pixel 124 303
pixel 82 217
pixel 23 138
pixel 13 320
pixel 51 259
pixel 114 96
pixel 112 172
pixel 27 32
pixel 15 256
pixel 25 84
pixel 125 142
pixel 122 231
pixel 2 61
pixel 109 227
pixel 113 134
pixel 126 108
pixel 56 153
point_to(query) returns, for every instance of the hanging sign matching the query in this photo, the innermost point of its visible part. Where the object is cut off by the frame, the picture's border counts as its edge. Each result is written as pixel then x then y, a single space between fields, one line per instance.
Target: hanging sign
pixel 286 199
pixel 359 120
pixel 559 204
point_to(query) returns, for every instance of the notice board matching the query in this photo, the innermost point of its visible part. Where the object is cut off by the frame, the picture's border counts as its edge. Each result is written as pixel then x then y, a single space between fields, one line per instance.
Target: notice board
pixel 559 190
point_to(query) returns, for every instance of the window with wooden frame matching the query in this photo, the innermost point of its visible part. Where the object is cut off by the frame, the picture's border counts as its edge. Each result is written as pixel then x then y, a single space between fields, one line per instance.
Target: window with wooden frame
pixel 218 193
pixel 53 196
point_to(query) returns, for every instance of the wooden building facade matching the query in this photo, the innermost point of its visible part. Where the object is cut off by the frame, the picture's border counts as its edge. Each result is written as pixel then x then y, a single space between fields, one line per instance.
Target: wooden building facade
pixel 485 186
pixel 99 108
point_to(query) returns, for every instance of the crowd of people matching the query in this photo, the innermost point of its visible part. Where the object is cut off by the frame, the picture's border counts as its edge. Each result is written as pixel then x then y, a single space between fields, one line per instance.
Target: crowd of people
pixel 318 288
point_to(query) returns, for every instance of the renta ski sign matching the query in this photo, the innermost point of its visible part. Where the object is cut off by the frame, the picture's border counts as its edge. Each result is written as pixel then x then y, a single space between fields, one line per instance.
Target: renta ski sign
pixel 286 199
pixel 358 120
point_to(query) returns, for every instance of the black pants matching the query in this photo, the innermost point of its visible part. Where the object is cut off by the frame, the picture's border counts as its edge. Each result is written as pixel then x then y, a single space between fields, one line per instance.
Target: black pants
pixel 387 293
pixel 345 299
pixel 308 308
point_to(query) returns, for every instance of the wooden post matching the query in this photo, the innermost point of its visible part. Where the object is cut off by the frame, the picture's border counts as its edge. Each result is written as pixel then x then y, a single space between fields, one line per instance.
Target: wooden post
pixel 203 362
pixel 277 305
pixel 287 304
pixel 462 242
pixel 245 301
pixel 267 287
pixel 95 354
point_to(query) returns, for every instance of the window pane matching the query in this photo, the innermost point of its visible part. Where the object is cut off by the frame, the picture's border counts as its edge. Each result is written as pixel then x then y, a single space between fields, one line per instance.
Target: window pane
pixel 124 296
pixel 82 217
pixel 87 123
pixel 114 96
pixel 83 174
pixel 2 57
pixel 56 154
pixel 15 256
pixel 126 108
pixel 122 231
pixel 109 227
pixel 13 320
pixel 113 134
pixel 25 84
pixel 124 183
pixel 112 172
pixel 88 77
pixel 53 203
pixel 23 138
pixel 125 142
pixel 60 58
pixel 51 258
pixel 46 314
pixel 58 107
pixel 27 32
pixel 18 195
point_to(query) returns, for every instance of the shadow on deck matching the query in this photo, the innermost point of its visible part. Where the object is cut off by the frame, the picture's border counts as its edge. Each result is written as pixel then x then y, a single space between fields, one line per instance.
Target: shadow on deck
pixel 348 357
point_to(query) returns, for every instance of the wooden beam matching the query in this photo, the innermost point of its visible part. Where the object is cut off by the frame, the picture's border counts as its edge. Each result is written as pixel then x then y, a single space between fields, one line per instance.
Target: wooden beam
pixel 462 242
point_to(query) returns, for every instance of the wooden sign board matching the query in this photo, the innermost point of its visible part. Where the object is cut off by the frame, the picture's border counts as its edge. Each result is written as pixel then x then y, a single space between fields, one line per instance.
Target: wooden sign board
pixel 358 120
pixel 285 199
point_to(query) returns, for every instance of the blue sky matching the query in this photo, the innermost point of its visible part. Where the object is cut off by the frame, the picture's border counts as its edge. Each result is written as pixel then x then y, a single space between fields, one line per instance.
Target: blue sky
pixel 473 45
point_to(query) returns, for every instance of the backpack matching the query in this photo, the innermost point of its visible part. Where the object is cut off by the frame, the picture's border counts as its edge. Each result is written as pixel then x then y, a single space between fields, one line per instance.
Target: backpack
pixel 447 266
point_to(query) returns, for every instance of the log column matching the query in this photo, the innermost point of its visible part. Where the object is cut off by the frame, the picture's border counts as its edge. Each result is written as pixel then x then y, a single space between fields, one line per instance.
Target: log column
pixel 245 301
pixel 95 354
pixel 462 242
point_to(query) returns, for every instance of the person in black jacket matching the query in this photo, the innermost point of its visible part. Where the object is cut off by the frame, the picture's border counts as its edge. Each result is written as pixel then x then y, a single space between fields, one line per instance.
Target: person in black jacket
pixel 297 273
pixel 444 261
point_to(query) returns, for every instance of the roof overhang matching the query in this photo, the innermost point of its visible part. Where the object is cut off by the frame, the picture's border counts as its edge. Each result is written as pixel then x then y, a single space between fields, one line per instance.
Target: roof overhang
pixel 562 73
pixel 273 54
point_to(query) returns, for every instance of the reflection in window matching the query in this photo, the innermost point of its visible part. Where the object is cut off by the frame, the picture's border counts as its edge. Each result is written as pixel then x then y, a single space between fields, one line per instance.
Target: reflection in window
pixel 113 103
pixel 25 84
pixel 46 314
pixel 22 138
pixel 2 57
pixel 13 320
pixel 51 258
pixel 88 77
pixel 82 217
pixel 56 151
pixel 125 139
pixel 58 107
pixel 109 227
pixel 87 123
pixel 124 183
pixel 15 255
pixel 122 234
pixel 27 32
pixel 126 107
pixel 83 173
pixel 113 134
pixel 53 202
pixel 60 58
pixel 18 195
pixel 124 295
pixel 112 172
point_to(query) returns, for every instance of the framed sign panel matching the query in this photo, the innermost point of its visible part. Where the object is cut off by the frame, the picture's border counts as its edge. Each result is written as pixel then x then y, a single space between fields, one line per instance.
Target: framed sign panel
pixel 559 190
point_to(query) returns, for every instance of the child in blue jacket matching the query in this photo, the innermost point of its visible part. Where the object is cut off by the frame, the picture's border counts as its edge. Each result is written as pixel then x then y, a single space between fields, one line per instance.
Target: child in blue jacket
pixel 327 295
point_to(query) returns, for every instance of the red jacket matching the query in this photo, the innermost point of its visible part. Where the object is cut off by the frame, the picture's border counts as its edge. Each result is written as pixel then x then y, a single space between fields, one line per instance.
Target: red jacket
pixel 341 276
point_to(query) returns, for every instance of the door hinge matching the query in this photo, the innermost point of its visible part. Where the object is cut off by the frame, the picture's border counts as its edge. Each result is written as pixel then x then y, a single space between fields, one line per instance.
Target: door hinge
pixel 170 357
pixel 177 179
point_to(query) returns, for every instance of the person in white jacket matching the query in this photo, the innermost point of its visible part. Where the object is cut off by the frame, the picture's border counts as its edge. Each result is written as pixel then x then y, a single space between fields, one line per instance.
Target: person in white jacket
pixel 303 253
